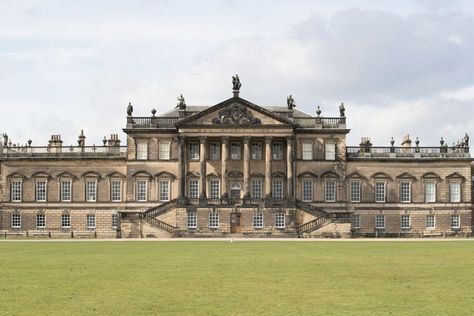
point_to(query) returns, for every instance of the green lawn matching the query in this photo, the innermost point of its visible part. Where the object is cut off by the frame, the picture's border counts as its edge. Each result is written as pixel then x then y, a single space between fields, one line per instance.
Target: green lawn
pixel 217 278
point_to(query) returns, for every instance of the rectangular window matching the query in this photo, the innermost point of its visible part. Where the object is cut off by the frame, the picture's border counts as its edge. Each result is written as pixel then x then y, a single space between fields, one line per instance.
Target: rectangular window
pixel 215 151
pixel 256 189
pixel 142 151
pixel 455 192
pixel 277 189
pixel 114 221
pixel 307 151
pixel 141 190
pixel 355 191
pixel 66 191
pixel 257 220
pixel 194 151
pixel 430 221
pixel 40 221
pixel 380 221
pixel 330 191
pixel 277 151
pixel 40 191
pixel 192 220
pixel 430 192
pixel 116 191
pixel 356 222
pixel 214 189
pixel 256 151
pixel 405 192
pixel 91 191
pixel 16 220
pixel 90 221
pixel 213 220
pixel 455 221
pixel 66 221
pixel 307 191
pixel 405 221
pixel 16 191
pixel 164 150
pixel 164 191
pixel 330 151
pixel 193 189
pixel 380 192
pixel 235 151
pixel 280 220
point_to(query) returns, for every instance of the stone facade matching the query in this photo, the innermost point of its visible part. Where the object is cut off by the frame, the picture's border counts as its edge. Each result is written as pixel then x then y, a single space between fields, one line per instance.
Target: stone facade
pixel 234 169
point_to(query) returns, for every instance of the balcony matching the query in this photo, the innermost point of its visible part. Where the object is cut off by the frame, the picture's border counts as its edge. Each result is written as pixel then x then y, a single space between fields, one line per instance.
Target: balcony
pixel 151 122
pixel 407 152
pixel 63 151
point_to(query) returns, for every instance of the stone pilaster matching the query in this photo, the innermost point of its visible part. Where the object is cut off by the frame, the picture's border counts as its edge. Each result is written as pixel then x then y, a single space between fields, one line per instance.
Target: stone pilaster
pixel 246 167
pixel 289 169
pixel 181 169
pixel 224 158
pixel 202 157
pixel 268 167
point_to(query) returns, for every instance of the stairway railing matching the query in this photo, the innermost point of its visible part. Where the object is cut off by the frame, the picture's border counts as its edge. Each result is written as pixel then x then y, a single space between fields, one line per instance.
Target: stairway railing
pixel 160 209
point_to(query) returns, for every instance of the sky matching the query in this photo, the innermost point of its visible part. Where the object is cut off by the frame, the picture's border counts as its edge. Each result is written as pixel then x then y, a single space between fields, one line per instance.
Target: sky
pixel 400 67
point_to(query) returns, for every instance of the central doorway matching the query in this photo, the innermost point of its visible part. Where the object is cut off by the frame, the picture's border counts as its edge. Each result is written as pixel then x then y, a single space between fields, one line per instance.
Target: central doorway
pixel 235 223
pixel 235 191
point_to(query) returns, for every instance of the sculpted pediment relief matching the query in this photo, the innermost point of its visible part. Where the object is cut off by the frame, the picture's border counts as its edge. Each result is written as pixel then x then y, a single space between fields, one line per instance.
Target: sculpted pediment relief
pixel 236 115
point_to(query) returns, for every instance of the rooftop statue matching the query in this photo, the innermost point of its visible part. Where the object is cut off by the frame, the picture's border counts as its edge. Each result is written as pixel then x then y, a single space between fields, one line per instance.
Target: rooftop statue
pixel 466 140
pixel 290 102
pixel 236 83
pixel 130 109
pixel 5 139
pixel 342 110
pixel 181 103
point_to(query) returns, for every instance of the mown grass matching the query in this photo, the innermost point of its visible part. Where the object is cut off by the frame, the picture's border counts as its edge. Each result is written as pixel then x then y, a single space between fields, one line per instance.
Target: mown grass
pixel 239 278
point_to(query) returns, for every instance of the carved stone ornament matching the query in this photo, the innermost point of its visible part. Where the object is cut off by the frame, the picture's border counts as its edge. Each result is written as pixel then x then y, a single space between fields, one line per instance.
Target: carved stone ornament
pixel 236 115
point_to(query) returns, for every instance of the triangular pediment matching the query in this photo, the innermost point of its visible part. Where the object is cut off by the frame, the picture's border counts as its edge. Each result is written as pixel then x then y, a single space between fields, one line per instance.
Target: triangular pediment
pixel 235 112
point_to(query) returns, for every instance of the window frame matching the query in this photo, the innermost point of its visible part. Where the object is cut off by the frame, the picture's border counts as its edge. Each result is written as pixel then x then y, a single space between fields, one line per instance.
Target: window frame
pixel 214 151
pixel 330 155
pixel 91 196
pixel 162 193
pixel 115 221
pixel 164 150
pixel 274 191
pixel 62 190
pixel 430 216
pixel 16 194
pixel 213 220
pixel 430 182
pixel 43 221
pixel 68 221
pixel 326 191
pixel 256 189
pixel 137 192
pixel 142 150
pixel 451 221
pixel 351 191
pixel 235 155
pixel 256 151
pixel 405 196
pixel 458 199
pixel 37 191
pixel 90 221
pixel 403 222
pixel 304 197
pixel 356 221
pixel 190 188
pixel 307 154
pixel 376 192
pixel 257 220
pixel 194 151
pixel 15 220
pixel 279 221
pixel 212 187
pixel 277 154
pixel 191 220
pixel 114 191
pixel 377 221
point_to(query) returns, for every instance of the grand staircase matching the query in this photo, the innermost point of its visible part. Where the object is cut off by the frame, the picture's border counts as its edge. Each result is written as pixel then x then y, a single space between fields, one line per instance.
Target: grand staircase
pixel 322 217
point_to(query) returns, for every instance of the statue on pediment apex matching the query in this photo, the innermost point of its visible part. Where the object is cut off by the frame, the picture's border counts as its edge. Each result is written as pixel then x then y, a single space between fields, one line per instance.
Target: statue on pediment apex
pixel 290 102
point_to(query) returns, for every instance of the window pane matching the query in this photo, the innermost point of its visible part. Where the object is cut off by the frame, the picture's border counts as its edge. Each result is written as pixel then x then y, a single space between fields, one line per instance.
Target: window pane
pixel 257 220
pixel 430 192
pixel 380 221
pixel 215 151
pixel 91 191
pixel 90 222
pixel 142 191
pixel 65 221
pixel 16 220
pixel 356 221
pixel 256 189
pixel 194 151
pixel 192 220
pixel 256 151
pixel 142 151
pixel 235 151
pixel 455 191
pixel 66 191
pixel 193 189
pixel 405 195
pixel 307 151
pixel 164 151
pixel 307 191
pixel 330 191
pixel 355 191
pixel 16 191
pixel 430 221
pixel 455 221
pixel 277 189
pixel 116 191
pixel 40 221
pixel 405 221
pixel 277 151
pixel 214 189
pixel 280 220
pixel 164 191
pixel 379 191
pixel 213 220
pixel 330 151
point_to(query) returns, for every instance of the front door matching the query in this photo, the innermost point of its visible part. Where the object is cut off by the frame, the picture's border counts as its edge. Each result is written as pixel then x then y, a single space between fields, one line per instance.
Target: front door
pixel 235 223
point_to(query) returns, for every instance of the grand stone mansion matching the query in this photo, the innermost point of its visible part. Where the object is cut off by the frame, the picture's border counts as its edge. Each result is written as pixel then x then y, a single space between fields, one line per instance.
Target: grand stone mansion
pixel 234 169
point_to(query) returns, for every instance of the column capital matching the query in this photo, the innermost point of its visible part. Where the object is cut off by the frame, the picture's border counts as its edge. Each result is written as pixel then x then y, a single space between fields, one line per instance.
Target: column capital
pixel 290 140
pixel 202 139
pixel 246 139
pixel 225 139
pixel 268 140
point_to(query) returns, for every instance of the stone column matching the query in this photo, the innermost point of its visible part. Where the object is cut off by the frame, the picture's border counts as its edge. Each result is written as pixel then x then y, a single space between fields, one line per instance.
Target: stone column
pixel 246 167
pixel 224 158
pixel 202 157
pixel 181 169
pixel 268 167
pixel 289 168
